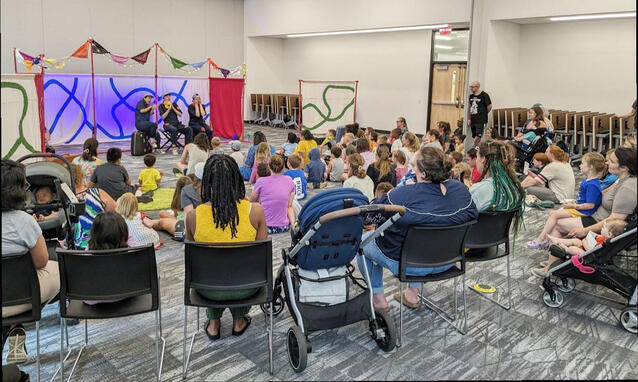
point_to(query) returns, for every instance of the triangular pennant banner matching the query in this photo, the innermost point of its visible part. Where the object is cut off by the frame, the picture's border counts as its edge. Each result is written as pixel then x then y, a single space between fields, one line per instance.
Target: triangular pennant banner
pixel 177 64
pixel 24 55
pixel 82 51
pixel 142 57
pixel 243 70
pixel 57 63
pixel 99 49
pixel 119 60
pixel 36 61
pixel 210 61
pixel 198 65
pixel 29 65
pixel 225 72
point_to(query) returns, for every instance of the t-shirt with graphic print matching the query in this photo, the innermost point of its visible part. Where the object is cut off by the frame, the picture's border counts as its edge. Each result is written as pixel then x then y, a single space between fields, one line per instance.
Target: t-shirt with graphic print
pixel 478 107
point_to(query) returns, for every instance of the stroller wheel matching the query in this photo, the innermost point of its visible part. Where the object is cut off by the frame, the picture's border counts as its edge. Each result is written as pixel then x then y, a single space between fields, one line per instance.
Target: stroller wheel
pixel 277 304
pixel 297 349
pixel 565 284
pixel 558 301
pixel 385 324
pixel 629 319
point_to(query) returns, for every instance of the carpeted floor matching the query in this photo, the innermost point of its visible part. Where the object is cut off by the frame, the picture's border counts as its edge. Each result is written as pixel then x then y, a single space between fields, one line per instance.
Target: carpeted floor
pixel 580 340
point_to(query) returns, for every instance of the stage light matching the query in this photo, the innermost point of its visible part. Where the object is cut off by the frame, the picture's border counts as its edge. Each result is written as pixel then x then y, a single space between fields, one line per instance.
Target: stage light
pixel 594 17
pixel 359 31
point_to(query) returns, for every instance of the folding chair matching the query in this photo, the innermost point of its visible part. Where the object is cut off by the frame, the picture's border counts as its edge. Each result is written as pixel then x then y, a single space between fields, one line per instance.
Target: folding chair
pixel 168 140
pixel 445 246
pixel 125 279
pixel 227 267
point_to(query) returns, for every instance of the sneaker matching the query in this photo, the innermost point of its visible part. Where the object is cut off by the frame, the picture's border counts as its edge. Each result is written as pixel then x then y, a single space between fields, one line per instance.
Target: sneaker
pixel 144 199
pixel 17 346
pixel 539 272
pixel 152 142
pixel 175 152
pixel 160 151
pixel 148 193
pixel 536 244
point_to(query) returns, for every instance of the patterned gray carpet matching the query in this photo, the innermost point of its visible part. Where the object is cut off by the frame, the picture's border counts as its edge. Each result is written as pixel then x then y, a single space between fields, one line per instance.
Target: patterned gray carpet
pixel 580 340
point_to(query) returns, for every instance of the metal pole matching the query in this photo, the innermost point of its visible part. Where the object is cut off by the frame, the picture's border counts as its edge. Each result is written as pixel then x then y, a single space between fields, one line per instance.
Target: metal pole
pixel 466 108
pixel 93 88
pixel 155 96
pixel 15 62
pixel 299 112
pixel 356 88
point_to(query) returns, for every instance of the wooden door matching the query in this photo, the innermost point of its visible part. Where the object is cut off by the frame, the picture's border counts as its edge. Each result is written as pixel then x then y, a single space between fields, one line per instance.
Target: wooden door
pixel 448 93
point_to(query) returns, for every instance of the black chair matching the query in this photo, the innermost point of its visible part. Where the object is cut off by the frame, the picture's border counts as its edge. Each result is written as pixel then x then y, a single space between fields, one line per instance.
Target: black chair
pixel 227 267
pixel 484 240
pixel 428 247
pixel 127 275
pixel 20 285
pixel 168 139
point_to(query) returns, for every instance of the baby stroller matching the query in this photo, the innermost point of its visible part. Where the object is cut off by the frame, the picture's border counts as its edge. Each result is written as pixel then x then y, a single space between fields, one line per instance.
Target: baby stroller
pixel 525 152
pixel 60 179
pixel 317 271
pixel 606 273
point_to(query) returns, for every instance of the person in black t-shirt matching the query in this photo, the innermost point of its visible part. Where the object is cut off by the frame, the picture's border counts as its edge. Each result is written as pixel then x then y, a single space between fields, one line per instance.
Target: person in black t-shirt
pixel 480 106
pixel 196 113
pixel 170 112
pixel 142 115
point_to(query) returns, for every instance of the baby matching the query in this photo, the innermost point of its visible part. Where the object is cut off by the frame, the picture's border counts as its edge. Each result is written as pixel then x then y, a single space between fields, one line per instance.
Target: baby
pixel 373 220
pixel 45 195
pixel 611 228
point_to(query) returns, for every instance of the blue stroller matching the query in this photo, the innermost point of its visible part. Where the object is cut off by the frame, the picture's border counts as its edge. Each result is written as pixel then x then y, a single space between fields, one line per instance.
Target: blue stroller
pixel 327 240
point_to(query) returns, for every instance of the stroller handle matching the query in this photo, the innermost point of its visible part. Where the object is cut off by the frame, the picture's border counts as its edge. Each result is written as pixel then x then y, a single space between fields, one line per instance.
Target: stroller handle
pixel 353 211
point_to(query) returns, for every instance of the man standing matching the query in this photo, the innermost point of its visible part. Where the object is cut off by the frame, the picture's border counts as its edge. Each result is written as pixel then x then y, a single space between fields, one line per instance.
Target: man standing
pixel 170 112
pixel 480 106
pixel 196 113
pixel 142 123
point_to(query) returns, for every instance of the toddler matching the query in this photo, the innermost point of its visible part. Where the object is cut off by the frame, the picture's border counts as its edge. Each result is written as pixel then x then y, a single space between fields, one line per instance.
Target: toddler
pixel 611 228
pixel 45 195
pixel 459 146
pixel 335 166
pixel 463 173
pixel 235 146
pixel 315 169
pixel 297 175
pixel 263 170
pixel 329 140
pixel 373 220
pixel 289 147
pixel 589 198
pixel 216 146
pixel 401 162
pixel 149 177
pixel 262 155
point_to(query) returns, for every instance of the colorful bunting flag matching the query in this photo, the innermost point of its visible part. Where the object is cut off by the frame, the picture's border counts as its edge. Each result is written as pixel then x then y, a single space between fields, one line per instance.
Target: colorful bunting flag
pixel 177 64
pixel 142 57
pixel 210 61
pixel 99 49
pixel 24 55
pixel 198 65
pixel 243 70
pixel 82 51
pixel 117 59
pixel 57 63
pixel 225 72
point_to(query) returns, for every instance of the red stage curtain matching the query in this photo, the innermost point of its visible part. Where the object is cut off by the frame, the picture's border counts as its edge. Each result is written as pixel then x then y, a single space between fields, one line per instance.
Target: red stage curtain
pixel 226 107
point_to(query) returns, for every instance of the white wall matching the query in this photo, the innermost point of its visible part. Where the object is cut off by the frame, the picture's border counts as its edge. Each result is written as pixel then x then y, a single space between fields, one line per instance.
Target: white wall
pixel 190 30
pixel 584 65
pixel 501 57
pixel 392 69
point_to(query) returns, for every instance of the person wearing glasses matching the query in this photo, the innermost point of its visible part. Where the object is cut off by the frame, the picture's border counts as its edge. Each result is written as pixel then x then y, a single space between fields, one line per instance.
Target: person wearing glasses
pixel 480 106
pixel 402 124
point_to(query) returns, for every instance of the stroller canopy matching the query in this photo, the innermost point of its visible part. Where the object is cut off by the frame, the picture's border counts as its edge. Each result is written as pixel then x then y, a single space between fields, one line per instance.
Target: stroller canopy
pixel 328 201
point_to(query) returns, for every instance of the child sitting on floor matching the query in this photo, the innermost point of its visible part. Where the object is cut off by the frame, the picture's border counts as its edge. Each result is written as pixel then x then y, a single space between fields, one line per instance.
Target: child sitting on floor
pixel 216 146
pixel 315 169
pixel 459 146
pixel 335 166
pixel 297 175
pixel 235 146
pixel 401 161
pixel 149 177
pixel 45 195
pixel 611 228
pixel 589 198
pixel 262 155
pixel 290 146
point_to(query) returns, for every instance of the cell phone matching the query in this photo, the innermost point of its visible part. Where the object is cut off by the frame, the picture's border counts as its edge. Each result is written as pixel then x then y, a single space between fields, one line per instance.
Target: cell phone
pixel 525 167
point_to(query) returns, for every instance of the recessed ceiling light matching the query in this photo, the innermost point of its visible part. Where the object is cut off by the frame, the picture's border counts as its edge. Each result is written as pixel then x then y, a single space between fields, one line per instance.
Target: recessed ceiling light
pixel 444 38
pixel 593 17
pixel 358 31
pixel 443 47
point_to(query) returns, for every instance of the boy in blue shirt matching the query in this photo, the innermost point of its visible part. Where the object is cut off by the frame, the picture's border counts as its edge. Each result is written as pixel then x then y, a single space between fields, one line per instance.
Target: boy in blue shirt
pixel 297 175
pixel 315 168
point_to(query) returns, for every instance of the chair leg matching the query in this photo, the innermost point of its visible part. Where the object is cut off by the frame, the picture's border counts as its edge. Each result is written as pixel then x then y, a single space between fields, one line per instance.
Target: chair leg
pixel 186 358
pixel 86 342
pixel 400 314
pixel 64 329
pixel 270 334
pixel 37 336
pixel 61 349
pixel 509 291
pixel 441 313
pixel 158 336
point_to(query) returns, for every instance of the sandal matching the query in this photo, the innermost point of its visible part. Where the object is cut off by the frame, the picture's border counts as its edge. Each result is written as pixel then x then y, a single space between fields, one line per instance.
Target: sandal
pixel 407 303
pixel 239 333
pixel 212 337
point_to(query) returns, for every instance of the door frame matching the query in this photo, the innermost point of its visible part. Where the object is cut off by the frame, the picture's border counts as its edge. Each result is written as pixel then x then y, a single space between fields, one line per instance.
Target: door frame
pixel 432 63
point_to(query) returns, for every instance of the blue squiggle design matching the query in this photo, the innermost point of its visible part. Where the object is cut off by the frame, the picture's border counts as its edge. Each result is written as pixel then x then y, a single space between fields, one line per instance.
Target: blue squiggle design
pixel 122 100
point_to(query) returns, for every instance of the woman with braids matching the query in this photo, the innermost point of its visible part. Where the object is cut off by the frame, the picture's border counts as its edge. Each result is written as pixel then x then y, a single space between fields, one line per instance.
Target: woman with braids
pixel 225 216
pixel 434 200
pixel 382 170
pixel 498 188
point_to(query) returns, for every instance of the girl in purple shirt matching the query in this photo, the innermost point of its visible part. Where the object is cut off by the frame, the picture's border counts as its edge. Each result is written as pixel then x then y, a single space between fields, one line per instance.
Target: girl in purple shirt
pixel 275 193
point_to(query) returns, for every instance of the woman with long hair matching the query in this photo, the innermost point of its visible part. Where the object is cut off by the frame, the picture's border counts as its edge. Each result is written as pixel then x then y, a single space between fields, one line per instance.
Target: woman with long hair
pixel 357 177
pixel 195 152
pixel 535 125
pixel 410 145
pixel 88 160
pixel 225 216
pixel 276 194
pixel 382 170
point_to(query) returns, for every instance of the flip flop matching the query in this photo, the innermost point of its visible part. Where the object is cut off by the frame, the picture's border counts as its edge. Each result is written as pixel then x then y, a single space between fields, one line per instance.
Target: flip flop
pixel 407 303
pixel 239 333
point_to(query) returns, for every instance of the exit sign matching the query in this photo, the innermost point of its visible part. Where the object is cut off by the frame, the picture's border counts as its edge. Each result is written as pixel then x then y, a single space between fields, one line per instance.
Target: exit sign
pixel 445 30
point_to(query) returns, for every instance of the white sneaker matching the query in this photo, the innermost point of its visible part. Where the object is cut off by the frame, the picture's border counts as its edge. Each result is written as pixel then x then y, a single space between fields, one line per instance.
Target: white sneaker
pixel 175 152
pixel 152 142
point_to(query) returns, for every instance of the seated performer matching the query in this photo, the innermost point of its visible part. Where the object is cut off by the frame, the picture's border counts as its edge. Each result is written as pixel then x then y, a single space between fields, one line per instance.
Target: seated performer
pixel 170 112
pixel 142 123
pixel 196 113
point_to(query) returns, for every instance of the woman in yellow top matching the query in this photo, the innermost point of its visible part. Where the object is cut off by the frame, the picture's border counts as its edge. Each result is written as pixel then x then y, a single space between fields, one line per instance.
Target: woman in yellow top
pixel 225 216
pixel 307 143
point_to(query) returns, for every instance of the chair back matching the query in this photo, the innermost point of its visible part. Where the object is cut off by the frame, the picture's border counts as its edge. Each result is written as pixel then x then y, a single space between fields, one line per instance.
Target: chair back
pixel 20 283
pixel 227 266
pixel 112 274
pixel 491 229
pixel 428 247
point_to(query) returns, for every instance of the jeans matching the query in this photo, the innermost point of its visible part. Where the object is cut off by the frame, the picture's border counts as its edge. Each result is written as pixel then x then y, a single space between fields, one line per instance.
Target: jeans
pixel 375 261
pixel 237 313
pixel 150 128
pixel 172 131
pixel 198 128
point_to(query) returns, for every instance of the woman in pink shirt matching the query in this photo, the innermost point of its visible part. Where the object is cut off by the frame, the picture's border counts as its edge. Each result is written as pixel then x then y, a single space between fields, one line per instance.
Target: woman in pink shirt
pixel 275 193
